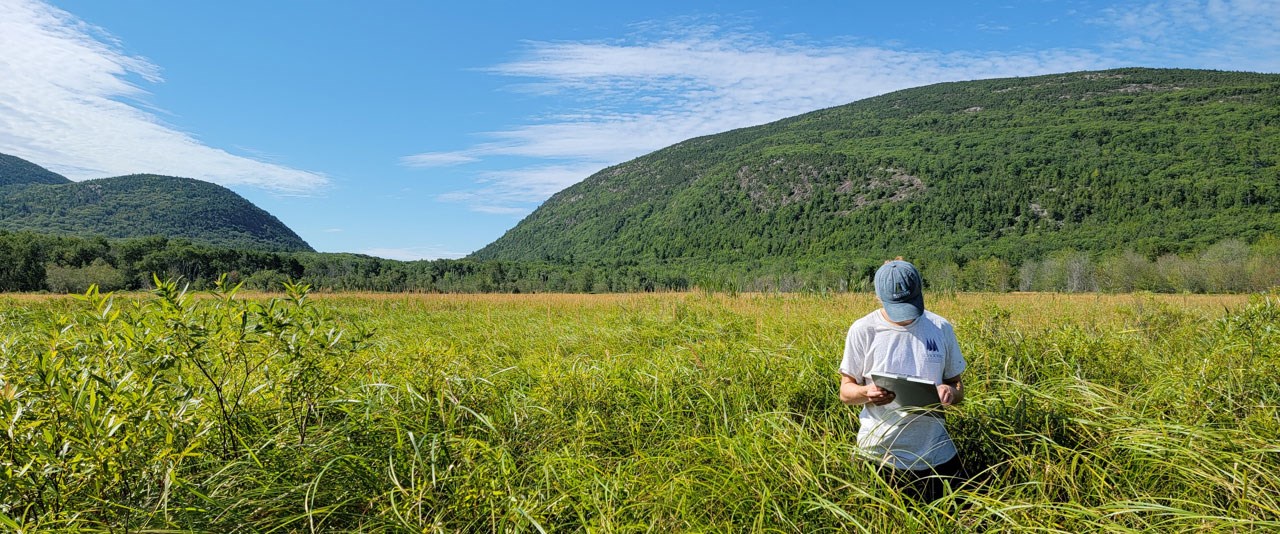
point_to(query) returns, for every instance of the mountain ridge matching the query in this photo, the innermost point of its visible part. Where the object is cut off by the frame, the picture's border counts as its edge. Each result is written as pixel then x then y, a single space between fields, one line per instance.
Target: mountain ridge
pixel 136 205
pixel 18 171
pixel 1154 160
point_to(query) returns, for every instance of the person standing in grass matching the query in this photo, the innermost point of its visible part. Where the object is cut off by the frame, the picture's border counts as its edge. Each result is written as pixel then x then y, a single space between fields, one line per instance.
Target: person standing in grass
pixel 913 450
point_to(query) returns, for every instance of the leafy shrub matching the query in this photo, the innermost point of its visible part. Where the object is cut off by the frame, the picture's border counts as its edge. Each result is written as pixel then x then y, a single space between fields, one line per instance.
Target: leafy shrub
pixel 110 408
pixel 60 279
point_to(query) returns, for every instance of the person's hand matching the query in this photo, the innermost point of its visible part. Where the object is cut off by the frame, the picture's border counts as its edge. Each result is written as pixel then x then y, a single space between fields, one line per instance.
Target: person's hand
pixel 879 396
pixel 947 394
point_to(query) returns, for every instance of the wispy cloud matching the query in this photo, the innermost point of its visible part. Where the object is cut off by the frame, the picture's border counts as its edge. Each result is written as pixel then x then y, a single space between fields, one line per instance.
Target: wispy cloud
pixel 1216 34
pixel 438 159
pixel 511 192
pixel 413 253
pixel 665 85
pixel 70 100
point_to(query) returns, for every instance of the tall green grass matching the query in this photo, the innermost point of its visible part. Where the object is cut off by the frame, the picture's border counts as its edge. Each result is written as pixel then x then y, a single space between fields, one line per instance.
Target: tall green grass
pixel 684 412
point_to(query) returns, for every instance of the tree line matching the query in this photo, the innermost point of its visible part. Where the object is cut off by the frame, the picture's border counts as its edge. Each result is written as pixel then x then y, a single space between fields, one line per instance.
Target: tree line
pixel 60 264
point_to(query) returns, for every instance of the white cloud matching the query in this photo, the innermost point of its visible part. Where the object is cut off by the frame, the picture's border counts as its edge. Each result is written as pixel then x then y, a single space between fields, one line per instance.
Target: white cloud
pixel 413 253
pixel 487 206
pixel 65 93
pixel 510 192
pixel 438 159
pixel 1213 34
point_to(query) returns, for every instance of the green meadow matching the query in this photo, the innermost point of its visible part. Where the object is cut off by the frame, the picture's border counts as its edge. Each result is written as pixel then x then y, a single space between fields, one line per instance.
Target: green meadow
pixel 227 412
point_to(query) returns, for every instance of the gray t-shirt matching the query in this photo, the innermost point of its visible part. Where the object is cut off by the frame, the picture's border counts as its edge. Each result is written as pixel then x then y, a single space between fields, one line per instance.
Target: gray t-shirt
pixel 926 348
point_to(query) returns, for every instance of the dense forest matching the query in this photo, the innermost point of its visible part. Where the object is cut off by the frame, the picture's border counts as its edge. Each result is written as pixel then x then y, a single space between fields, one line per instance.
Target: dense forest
pixel 61 264
pixel 35 199
pixel 1153 161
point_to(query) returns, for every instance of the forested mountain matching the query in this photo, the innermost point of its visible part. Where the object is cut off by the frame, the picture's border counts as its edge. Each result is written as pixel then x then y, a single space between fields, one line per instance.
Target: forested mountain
pixel 18 171
pixel 1152 161
pixel 34 199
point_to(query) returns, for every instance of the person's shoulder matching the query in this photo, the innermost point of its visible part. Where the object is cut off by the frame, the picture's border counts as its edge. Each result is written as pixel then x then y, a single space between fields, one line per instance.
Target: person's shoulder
pixel 866 322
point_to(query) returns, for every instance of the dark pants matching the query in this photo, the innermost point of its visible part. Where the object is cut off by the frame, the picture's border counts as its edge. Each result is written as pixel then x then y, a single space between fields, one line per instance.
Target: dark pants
pixel 926 485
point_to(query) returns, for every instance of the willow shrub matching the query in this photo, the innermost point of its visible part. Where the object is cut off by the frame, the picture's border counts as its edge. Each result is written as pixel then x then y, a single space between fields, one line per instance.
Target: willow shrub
pixel 114 413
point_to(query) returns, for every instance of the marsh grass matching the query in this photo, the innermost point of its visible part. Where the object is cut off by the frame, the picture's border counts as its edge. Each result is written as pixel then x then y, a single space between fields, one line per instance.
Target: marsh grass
pixel 620 413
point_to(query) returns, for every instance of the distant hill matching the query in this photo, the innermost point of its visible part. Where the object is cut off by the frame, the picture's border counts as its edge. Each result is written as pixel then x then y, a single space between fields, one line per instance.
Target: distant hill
pixel 1150 160
pixel 34 199
pixel 18 171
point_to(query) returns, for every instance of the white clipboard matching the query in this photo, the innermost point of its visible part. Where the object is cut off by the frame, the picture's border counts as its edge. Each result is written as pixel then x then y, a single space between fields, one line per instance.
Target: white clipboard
pixel 911 394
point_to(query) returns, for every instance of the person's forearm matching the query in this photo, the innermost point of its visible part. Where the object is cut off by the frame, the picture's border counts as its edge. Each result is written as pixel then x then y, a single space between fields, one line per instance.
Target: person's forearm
pixel 853 394
pixel 951 393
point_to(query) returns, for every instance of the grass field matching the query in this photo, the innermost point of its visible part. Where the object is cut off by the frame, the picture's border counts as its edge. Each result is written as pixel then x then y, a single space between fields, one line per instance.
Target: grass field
pixel 620 413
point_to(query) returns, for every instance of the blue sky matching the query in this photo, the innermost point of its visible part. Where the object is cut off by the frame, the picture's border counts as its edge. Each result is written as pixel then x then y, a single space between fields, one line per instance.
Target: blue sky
pixel 426 129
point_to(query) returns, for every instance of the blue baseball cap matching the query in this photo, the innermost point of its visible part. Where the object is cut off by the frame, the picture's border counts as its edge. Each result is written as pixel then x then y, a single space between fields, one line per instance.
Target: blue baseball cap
pixel 901 290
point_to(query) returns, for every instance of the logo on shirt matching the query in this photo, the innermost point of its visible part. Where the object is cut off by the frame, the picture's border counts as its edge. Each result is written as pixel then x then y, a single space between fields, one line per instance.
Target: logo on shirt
pixel 931 345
